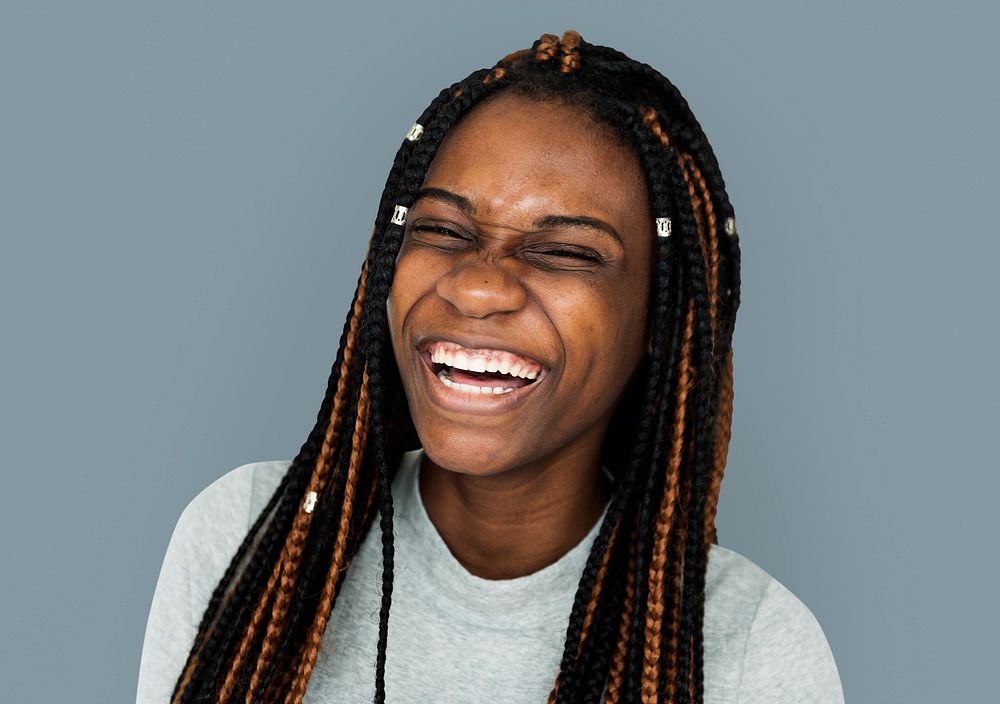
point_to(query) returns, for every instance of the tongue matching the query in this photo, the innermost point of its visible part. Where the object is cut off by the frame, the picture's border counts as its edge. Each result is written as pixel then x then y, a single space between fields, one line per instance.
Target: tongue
pixel 507 381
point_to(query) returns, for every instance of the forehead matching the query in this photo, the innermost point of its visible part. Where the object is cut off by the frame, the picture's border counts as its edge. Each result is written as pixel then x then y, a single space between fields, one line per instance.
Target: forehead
pixel 514 157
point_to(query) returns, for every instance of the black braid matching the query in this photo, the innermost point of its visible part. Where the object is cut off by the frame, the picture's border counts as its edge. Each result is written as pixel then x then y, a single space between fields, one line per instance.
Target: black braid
pixel 641 457
pixel 695 555
pixel 595 659
pixel 319 556
pixel 237 610
pixel 381 261
pixel 695 552
pixel 692 139
pixel 666 197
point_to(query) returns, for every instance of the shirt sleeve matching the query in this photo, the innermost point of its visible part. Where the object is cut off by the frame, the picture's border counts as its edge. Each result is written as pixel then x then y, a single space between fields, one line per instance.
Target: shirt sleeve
pixel 787 658
pixel 207 535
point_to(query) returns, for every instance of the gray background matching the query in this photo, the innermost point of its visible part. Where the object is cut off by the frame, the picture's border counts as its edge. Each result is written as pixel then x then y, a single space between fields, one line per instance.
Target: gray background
pixel 187 190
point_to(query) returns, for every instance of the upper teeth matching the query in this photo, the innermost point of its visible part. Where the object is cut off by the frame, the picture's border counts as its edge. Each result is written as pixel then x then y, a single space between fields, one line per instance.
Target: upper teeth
pixel 483 360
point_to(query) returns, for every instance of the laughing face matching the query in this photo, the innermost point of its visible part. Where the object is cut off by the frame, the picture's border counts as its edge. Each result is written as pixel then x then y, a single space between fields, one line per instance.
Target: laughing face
pixel 518 307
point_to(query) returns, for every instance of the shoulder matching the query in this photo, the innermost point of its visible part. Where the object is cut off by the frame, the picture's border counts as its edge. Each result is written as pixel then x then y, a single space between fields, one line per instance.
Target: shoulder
pixel 237 488
pixel 204 540
pixel 214 523
pixel 779 650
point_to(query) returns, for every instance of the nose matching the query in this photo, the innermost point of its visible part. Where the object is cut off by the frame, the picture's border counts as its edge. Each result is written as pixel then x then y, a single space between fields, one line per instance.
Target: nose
pixel 480 289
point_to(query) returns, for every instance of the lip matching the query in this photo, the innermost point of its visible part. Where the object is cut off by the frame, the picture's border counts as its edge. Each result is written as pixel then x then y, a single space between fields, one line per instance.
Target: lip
pixel 463 402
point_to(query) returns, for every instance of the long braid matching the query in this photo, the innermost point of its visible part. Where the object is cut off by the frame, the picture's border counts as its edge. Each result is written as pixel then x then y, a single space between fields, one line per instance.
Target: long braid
pixel 706 472
pixel 689 655
pixel 635 629
pixel 724 413
pixel 723 432
pixel 664 523
pixel 331 528
pixel 286 501
pixel 224 618
pixel 275 610
pixel 286 571
pixel 357 527
pixel 383 260
pixel 591 608
pixel 695 552
pixel 617 672
pixel 602 572
pixel 657 161
pixel 596 658
pixel 624 490
pixel 694 566
pixel 664 527
pixel 317 627
pixel 378 256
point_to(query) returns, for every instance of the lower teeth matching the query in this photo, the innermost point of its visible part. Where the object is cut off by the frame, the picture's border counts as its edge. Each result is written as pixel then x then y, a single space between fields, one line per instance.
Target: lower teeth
pixel 483 390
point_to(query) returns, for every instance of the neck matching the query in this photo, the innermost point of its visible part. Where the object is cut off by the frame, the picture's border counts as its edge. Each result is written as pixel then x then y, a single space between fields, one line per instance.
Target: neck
pixel 517 522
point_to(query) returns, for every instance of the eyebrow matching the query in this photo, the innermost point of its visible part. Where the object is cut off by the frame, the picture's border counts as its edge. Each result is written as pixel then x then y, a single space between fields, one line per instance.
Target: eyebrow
pixel 546 221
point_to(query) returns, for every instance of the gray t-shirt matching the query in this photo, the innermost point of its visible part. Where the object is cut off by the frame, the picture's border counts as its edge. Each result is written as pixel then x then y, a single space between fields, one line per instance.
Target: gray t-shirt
pixel 456 637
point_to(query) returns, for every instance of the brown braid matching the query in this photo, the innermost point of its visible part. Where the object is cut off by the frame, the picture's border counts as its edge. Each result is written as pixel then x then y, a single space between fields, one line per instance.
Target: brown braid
pixel 185 678
pixel 337 566
pixel 602 572
pixel 283 568
pixel 569 45
pixel 652 119
pixel 548 46
pixel 703 213
pixel 496 74
pixel 592 604
pixel 677 596
pixel 723 432
pixel 725 409
pixel 664 522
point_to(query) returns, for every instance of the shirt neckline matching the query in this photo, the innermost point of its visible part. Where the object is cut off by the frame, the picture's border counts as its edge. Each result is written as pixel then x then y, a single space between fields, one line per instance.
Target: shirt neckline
pixel 536 599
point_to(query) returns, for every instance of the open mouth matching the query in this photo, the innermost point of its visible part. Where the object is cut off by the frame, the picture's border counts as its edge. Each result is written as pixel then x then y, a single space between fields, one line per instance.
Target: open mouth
pixel 482 372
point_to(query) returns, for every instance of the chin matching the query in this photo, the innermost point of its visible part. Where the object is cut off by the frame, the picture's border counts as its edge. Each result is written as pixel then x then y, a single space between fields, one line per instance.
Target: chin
pixel 473 453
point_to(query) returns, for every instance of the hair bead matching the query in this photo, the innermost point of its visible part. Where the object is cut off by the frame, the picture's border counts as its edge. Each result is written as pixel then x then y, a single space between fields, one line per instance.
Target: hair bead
pixel 399 215
pixel 310 503
pixel 414 134
pixel 730 226
pixel 663 227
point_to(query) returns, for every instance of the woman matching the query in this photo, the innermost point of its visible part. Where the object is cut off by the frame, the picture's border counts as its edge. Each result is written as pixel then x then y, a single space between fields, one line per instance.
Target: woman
pixel 533 395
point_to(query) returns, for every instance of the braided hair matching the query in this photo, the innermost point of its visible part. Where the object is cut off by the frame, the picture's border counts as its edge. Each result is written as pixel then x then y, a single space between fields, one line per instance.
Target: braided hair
pixel 635 630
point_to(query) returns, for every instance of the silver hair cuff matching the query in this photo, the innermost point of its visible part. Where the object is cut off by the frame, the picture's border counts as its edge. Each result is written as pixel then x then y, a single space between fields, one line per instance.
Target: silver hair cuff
pixel 310 503
pixel 663 227
pixel 730 226
pixel 414 134
pixel 399 215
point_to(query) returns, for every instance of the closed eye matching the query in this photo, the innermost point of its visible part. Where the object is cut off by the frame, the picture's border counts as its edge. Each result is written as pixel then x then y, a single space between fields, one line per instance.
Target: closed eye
pixel 582 256
pixel 437 229
pixel 572 254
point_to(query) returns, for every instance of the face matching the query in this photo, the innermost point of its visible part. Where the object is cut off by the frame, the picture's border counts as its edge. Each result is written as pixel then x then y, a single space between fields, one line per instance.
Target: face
pixel 518 309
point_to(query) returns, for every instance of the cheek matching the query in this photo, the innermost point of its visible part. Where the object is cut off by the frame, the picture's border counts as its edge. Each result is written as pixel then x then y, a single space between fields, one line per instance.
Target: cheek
pixel 589 328
pixel 413 277
pixel 403 279
pixel 399 300
pixel 604 334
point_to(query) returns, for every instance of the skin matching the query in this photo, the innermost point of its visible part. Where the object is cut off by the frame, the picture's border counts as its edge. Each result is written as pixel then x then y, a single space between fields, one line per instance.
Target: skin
pixel 512 492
